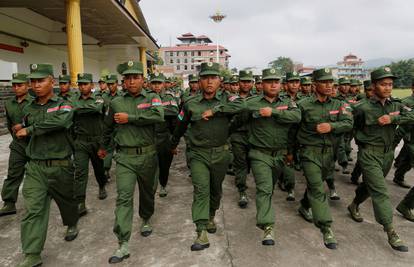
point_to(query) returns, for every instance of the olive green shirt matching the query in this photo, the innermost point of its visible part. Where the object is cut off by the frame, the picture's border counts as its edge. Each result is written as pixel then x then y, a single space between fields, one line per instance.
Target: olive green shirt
pixel 49 126
pixel 332 111
pixel 14 116
pixel 170 106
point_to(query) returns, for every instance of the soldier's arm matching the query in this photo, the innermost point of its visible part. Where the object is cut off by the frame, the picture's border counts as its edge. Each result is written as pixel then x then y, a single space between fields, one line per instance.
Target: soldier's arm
pixel 345 121
pixel 233 105
pixel 405 115
pixel 148 116
pixel 109 127
pixel 9 121
pixel 402 131
pixel 60 119
pixel 289 113
pixel 183 121
pixel 97 107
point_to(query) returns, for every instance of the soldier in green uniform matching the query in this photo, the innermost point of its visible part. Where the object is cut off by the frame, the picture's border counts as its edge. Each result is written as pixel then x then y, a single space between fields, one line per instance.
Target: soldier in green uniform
pixel 17 157
pixel 89 112
pixel 234 84
pixel 226 84
pixel 375 122
pixel 323 117
pixel 258 87
pixel 305 87
pixel 112 82
pixel 103 87
pixel 131 122
pixel 403 160
pixel 239 142
pixel 64 88
pixel 49 172
pixel 164 129
pixel 269 119
pixel 193 89
pixel 207 118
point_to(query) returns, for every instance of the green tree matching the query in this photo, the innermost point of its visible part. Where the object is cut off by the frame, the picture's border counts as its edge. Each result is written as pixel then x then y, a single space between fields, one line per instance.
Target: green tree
pixel 284 64
pixel 224 72
pixel 404 70
pixel 158 59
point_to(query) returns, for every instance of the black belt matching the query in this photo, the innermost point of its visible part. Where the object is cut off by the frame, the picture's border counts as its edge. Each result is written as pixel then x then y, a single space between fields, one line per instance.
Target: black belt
pixel 136 150
pixel 53 162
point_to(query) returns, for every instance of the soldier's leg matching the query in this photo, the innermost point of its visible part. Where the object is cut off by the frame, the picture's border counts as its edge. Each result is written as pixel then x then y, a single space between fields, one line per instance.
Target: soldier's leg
pixel 81 171
pixel 402 156
pixel 126 180
pixel 98 165
pixel 109 156
pixel 356 172
pixel 341 152
pixel 147 165
pixel 408 200
pixel 15 174
pixel 61 189
pixel 220 163
pixel 240 164
pixel 348 146
pixel 289 177
pixel 165 158
pixel 37 204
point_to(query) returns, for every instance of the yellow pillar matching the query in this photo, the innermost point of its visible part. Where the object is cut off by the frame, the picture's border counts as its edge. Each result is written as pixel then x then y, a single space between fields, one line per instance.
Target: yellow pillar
pixel 143 59
pixel 74 34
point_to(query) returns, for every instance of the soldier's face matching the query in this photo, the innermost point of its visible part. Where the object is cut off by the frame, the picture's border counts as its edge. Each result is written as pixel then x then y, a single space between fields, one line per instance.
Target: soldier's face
pixel 113 86
pixel 20 89
pixel 369 92
pixel 234 87
pixel 245 86
pixel 293 86
pixel 103 86
pixel 157 87
pixel 210 83
pixel 344 89
pixel 134 83
pixel 64 87
pixel 259 87
pixel 271 88
pixel 194 86
pixel 85 88
pixel 324 88
pixel 383 88
pixel 306 89
pixel 353 89
pixel 167 85
pixel 43 86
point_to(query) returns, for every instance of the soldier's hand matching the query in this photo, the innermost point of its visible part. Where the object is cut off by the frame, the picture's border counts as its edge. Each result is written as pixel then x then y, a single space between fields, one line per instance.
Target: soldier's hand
pixel 121 118
pixel 289 159
pixel 174 151
pixel 265 112
pixel 207 114
pixel 17 128
pixel 323 128
pixel 384 120
pixel 102 153
pixel 21 133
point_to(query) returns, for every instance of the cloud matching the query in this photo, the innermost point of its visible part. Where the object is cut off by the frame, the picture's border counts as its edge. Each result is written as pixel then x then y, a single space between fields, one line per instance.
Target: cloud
pixel 317 32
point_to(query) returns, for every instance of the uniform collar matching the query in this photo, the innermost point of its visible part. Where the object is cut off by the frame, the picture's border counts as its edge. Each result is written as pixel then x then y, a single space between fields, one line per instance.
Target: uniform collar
pixel 143 93
pixel 375 99
pixel 316 100
pixel 217 97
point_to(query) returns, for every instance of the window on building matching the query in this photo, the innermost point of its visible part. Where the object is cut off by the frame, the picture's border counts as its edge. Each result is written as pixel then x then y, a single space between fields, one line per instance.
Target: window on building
pixel 192 53
pixel 185 54
pixel 171 61
pixel 178 67
pixel 185 60
pixel 178 54
pixel 192 60
pixel 211 59
pixel 171 54
pixel 178 60
pixel 221 52
pixel 192 67
pixel 185 67
pixel 199 53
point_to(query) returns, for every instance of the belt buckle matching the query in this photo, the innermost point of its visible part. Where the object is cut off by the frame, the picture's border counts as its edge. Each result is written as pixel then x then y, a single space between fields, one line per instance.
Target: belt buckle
pixel 139 150
pixel 48 163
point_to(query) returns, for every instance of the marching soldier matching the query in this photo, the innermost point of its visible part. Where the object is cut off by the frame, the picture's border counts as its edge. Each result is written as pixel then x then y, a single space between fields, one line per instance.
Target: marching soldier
pixel 234 84
pixel 64 88
pixel 193 89
pixel 17 158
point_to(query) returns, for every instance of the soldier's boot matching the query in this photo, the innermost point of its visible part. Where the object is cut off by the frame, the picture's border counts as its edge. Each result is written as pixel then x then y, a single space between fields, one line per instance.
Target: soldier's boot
pixel 329 238
pixel 102 193
pixel 306 214
pixel 108 176
pixel 146 228
pixel 281 185
pixel 354 180
pixel 211 226
pixel 395 241
pixel 82 211
pixel 268 236
pixel 291 196
pixel 243 201
pixel 353 209
pixel 405 212
pixel 163 192
pixel 345 170
pixel 333 195
pixel 401 183
pixel 31 260
pixel 120 254
pixel 201 241
pixel 71 233
pixel 8 208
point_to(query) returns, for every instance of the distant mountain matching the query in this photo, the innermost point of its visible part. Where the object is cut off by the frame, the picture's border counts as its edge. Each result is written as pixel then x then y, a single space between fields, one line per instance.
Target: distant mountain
pixel 378 62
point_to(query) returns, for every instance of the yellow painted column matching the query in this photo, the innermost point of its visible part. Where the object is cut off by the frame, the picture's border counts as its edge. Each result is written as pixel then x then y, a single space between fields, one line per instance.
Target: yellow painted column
pixel 143 59
pixel 74 35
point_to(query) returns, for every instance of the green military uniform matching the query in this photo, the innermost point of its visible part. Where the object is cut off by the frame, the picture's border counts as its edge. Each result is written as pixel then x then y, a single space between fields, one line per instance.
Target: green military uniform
pixel 209 155
pixel 188 93
pixel 88 135
pixel 317 150
pixel 50 172
pixel 17 157
pixel 136 155
pixel 268 141
pixel 71 93
pixel 164 131
pixel 240 149
pixel 376 154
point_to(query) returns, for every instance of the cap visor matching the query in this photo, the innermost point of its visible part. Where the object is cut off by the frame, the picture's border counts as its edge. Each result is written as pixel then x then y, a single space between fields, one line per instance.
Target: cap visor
pixel 126 72
pixel 209 72
pixel 38 75
pixel 18 81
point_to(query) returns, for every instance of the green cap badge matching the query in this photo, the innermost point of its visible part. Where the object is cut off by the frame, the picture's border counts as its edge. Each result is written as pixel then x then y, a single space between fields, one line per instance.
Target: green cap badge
pixel 292 76
pixel 324 74
pixel 382 73
pixel 209 68
pixel 111 78
pixel 64 78
pixel 157 77
pixel 192 78
pixel 40 71
pixel 344 81
pixel 20 78
pixel 85 78
pixel 130 67
pixel 306 80
pixel 246 76
pixel 354 82
pixel 270 74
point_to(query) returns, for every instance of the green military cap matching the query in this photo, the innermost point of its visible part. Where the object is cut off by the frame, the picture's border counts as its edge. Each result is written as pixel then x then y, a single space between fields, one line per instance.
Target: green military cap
pixel 64 78
pixel 343 81
pixel 324 74
pixel 270 74
pixel 157 77
pixel 354 82
pixel 258 79
pixel 168 80
pixel 292 76
pixel 102 79
pixel 20 78
pixel 226 79
pixel 130 67
pixel 245 75
pixel 193 78
pixel 367 84
pixel 382 73
pixel 39 71
pixel 336 82
pixel 111 78
pixel 234 79
pixel 306 80
pixel 209 68
pixel 85 78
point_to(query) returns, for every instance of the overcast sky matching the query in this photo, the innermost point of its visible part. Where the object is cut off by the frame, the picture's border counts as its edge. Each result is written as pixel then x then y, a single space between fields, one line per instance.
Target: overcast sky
pixel 315 32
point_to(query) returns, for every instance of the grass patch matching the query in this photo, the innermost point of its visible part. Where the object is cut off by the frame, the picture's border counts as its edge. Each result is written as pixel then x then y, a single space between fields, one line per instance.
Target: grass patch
pixel 401 92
